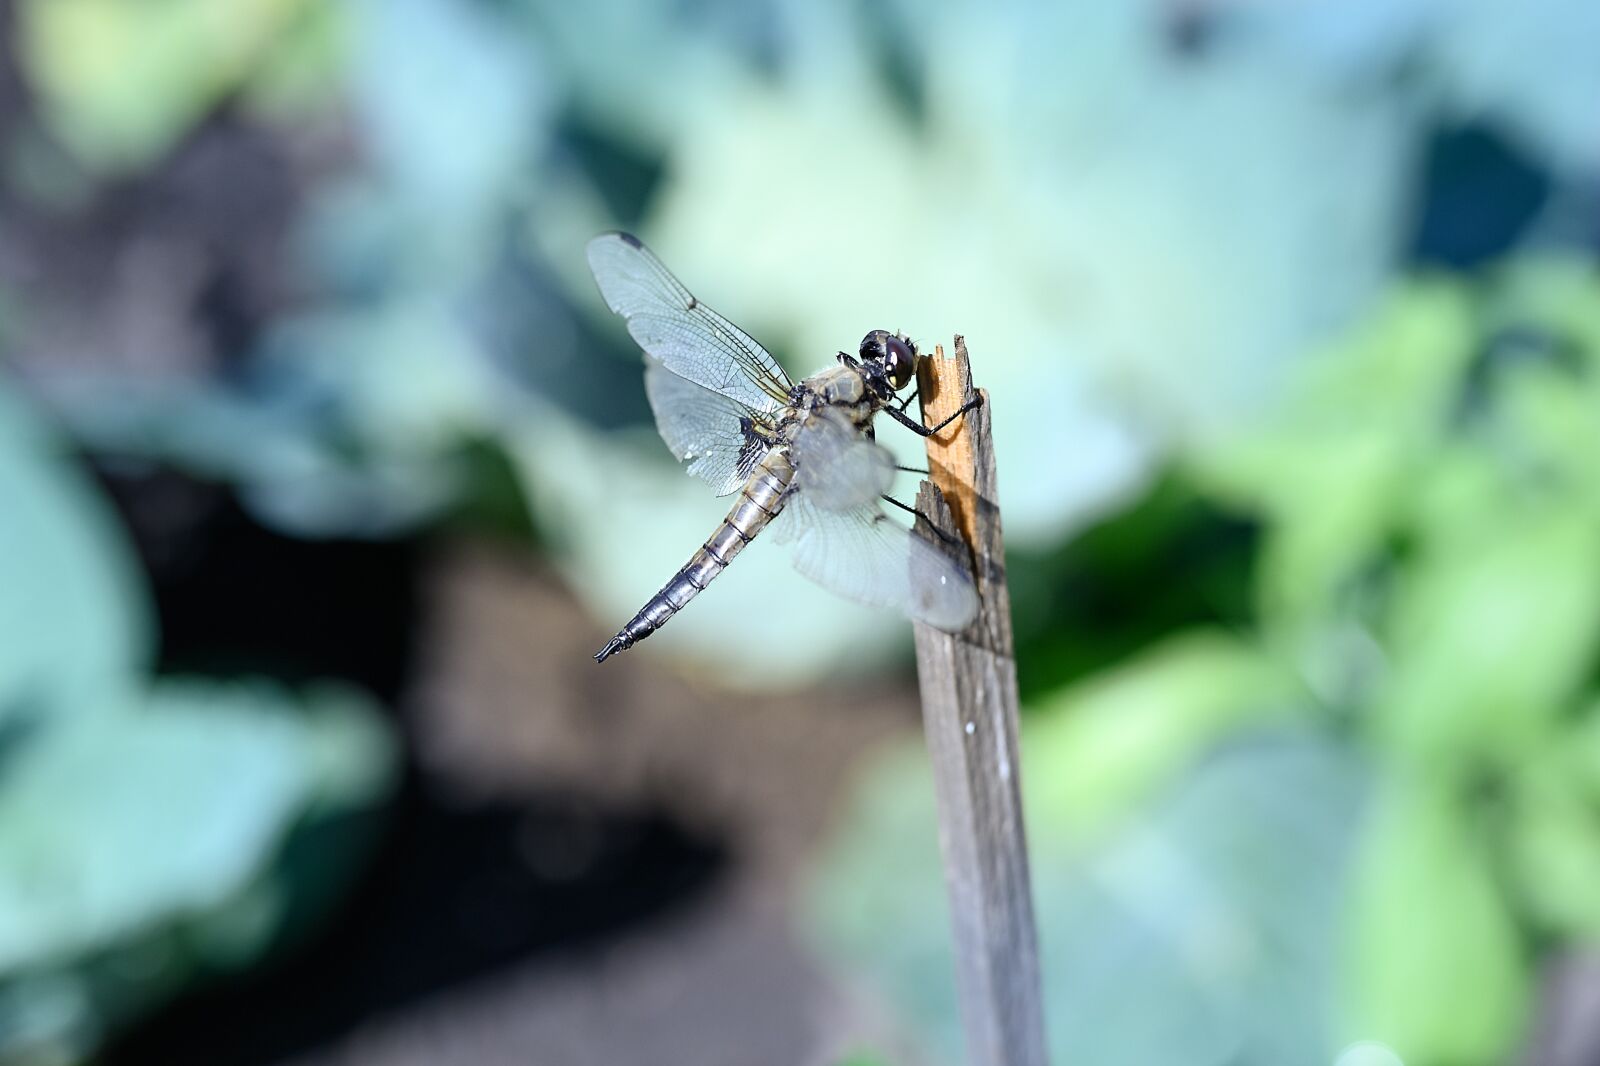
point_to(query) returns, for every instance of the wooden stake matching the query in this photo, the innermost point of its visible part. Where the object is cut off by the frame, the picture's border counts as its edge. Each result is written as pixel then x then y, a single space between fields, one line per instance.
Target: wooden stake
pixel 969 714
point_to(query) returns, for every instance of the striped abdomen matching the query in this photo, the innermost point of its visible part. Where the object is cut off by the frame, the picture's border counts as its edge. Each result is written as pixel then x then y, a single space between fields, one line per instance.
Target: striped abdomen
pixel 759 503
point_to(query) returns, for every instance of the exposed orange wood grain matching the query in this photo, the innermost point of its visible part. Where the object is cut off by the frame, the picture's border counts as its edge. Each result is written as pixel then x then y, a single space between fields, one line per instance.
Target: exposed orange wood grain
pixel 944 383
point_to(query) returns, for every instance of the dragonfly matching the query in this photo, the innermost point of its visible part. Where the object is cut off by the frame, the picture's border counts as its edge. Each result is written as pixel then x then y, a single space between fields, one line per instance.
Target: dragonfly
pixel 802 456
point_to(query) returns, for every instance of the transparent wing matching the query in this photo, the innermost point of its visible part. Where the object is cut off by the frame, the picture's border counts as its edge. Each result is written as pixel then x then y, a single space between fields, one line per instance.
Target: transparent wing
pixel 836 467
pixel 863 555
pixel 688 338
pixel 706 429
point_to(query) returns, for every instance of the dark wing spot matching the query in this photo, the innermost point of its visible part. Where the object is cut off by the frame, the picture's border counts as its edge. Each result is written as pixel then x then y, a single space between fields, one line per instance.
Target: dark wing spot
pixel 630 239
pixel 755 446
pixel 693 303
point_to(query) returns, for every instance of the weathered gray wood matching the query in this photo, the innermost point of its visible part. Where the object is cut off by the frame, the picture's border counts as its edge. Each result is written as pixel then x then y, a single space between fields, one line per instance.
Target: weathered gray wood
pixel 969 714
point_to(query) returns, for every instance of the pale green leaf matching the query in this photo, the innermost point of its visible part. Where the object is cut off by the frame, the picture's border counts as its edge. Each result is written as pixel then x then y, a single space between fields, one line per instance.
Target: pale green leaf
pixel 1581 750
pixel 1331 472
pixel 72 611
pixel 1437 969
pixel 1099 748
pixel 120 83
pixel 88 853
pixel 1554 844
pixel 1492 634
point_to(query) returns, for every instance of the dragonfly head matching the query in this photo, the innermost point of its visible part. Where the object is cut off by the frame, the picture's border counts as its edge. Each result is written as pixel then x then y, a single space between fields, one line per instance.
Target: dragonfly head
pixel 890 354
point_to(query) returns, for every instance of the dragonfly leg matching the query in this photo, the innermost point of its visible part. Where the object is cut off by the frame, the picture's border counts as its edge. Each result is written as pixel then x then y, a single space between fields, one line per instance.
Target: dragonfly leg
pixel 927 431
pixel 911 469
pixel 941 534
pixel 911 396
pixel 903 506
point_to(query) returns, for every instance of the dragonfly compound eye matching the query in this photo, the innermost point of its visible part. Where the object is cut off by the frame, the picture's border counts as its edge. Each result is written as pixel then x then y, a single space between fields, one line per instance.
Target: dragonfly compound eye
pixel 873 345
pixel 900 360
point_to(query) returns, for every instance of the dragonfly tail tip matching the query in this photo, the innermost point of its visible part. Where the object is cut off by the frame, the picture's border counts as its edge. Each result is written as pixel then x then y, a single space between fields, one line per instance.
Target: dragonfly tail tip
pixel 612 647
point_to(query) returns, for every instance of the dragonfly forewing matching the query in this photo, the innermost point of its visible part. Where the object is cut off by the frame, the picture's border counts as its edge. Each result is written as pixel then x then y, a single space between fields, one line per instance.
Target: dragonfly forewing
pixel 686 336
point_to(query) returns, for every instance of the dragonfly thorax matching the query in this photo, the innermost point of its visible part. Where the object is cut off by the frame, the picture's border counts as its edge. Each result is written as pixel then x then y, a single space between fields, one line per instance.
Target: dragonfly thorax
pixel 845 388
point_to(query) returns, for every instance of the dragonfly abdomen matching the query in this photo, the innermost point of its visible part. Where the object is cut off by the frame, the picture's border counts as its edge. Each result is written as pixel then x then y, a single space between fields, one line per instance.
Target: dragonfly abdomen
pixel 758 504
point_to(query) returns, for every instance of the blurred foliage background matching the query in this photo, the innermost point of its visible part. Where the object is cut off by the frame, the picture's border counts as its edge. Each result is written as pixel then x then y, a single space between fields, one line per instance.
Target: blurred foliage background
pixel 321 464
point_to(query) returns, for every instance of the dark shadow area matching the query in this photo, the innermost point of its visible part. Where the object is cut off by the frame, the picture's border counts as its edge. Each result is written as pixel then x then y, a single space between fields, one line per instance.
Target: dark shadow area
pixel 1163 564
pixel 458 888
pixel 458 893
pixel 234 598
pixel 1478 196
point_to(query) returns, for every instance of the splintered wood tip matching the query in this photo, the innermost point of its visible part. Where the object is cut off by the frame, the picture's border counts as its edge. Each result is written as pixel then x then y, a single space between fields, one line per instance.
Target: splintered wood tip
pixel 944 384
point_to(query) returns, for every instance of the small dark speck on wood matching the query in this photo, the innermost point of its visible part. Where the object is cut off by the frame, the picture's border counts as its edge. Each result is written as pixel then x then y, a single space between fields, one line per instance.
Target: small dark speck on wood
pixel 969 714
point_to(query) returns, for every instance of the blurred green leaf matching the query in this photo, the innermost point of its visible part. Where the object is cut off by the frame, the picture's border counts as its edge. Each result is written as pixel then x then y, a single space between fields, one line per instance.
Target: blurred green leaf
pixel 1554 845
pixel 353 428
pixel 1436 964
pixel 1401 368
pixel 1101 747
pixel 1342 503
pixel 1553 293
pixel 105 908
pixel 1331 471
pixel 302 68
pixel 1492 633
pixel 72 613
pixel 83 806
pixel 1208 932
pixel 1581 750
pixel 1542 432
pixel 121 83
